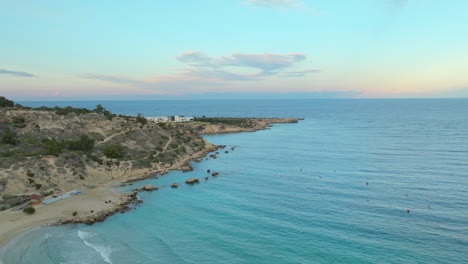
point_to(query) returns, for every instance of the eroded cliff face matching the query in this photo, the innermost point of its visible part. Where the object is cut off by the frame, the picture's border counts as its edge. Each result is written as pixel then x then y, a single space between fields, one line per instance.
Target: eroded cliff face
pixel 52 153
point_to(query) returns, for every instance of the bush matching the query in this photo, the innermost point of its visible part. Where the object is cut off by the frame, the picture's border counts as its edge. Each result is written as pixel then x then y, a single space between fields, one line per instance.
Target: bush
pixel 18 120
pixel 53 147
pixel 29 210
pixel 38 186
pixel 114 151
pixel 8 154
pixel 9 137
pixel 94 158
pixel 5 102
pixel 75 213
pixel 85 144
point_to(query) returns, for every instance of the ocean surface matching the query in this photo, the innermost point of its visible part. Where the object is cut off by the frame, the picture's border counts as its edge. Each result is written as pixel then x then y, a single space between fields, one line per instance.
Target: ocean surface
pixel 334 188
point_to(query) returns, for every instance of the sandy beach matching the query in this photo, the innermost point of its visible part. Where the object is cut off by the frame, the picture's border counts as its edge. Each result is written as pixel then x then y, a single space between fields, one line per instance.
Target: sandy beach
pixel 14 223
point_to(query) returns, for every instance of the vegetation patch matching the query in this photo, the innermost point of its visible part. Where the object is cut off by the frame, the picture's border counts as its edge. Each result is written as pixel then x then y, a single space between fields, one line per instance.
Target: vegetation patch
pixel 29 210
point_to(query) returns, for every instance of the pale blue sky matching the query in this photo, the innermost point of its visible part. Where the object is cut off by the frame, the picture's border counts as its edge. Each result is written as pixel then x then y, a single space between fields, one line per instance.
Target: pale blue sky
pixel 62 50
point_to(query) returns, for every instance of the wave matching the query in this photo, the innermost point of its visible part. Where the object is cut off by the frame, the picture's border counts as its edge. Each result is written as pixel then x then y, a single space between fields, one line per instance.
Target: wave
pixel 104 251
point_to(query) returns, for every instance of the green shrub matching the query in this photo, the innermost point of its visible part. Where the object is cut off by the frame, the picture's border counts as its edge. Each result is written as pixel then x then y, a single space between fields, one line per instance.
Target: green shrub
pixel 75 213
pixel 85 144
pixel 48 193
pixel 29 210
pixel 9 137
pixel 18 120
pixel 38 186
pixel 53 147
pixel 114 151
pixel 96 159
pixel 30 174
pixel 8 154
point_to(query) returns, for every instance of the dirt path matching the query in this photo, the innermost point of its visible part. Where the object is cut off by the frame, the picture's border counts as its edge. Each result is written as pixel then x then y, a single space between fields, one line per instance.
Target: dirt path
pixel 167 144
pixel 111 137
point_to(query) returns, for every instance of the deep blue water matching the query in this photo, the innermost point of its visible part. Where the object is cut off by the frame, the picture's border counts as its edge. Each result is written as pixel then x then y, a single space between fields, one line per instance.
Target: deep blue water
pixel 294 194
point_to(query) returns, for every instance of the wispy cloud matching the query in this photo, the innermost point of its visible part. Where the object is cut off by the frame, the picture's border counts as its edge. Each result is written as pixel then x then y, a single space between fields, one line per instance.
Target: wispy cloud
pixel 300 73
pixel 201 71
pixel 274 3
pixel 283 5
pixel 16 73
pixel 221 68
pixel 110 78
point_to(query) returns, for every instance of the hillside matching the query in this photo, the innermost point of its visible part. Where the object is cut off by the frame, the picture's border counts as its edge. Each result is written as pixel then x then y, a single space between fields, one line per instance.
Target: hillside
pixel 54 150
pixel 44 152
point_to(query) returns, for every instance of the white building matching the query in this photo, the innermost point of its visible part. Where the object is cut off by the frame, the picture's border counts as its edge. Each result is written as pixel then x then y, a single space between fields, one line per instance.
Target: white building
pixel 159 119
pixel 164 119
pixel 183 119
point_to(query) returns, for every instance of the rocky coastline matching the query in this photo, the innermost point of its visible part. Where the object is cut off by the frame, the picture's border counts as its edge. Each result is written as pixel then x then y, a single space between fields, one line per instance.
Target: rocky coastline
pixel 175 145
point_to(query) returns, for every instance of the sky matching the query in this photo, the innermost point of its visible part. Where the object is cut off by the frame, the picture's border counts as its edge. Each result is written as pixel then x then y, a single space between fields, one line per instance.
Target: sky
pixel 225 49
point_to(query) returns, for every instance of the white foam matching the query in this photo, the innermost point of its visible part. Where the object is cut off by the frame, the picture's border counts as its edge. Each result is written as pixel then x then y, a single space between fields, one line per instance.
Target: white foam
pixel 104 251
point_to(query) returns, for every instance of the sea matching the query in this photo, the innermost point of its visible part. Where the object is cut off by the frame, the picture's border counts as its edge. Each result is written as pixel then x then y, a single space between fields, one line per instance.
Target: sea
pixel 356 181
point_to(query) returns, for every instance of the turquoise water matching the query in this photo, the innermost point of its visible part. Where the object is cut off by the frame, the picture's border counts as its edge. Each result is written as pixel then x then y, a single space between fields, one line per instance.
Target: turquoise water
pixel 333 188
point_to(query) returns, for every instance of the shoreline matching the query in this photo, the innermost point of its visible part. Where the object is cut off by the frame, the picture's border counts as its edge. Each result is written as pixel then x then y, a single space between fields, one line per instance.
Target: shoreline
pixel 94 206
pixel 90 206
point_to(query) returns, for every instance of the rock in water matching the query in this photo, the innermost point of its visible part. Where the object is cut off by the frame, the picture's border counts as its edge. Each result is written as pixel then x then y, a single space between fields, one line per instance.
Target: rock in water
pixel 192 180
pixel 148 187
pixel 174 185
pixel 214 173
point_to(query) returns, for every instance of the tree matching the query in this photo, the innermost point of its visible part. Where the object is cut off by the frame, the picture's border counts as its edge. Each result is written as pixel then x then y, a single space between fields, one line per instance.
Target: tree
pixel 140 119
pixel 99 109
pixel 5 102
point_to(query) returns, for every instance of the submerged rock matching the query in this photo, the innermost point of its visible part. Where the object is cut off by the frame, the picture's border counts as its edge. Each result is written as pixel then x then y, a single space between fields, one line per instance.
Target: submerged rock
pixel 214 173
pixel 174 185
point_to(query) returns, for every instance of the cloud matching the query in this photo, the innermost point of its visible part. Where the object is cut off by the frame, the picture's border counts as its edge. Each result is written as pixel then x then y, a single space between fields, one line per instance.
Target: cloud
pixel 274 3
pixel 266 62
pixel 110 78
pixel 300 73
pixel 201 71
pixel 222 68
pixel 17 73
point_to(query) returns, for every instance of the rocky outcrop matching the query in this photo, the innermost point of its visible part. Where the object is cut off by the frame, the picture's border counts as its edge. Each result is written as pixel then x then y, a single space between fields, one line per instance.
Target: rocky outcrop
pixel 149 187
pixel 214 173
pixel 192 181
pixel 174 185
pixel 123 206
